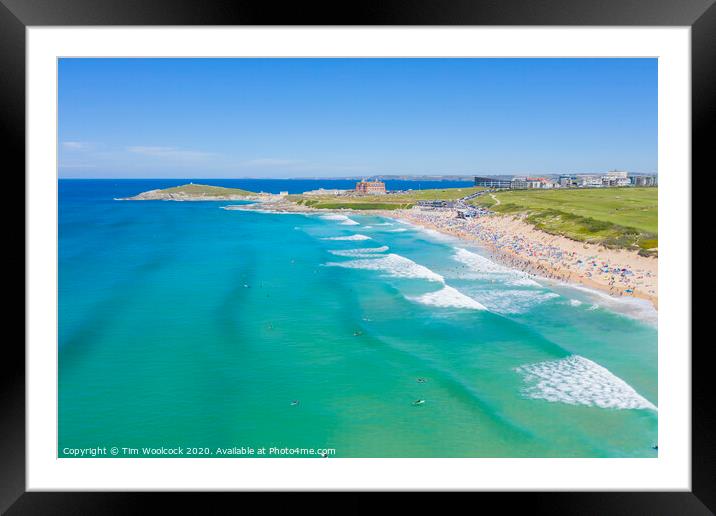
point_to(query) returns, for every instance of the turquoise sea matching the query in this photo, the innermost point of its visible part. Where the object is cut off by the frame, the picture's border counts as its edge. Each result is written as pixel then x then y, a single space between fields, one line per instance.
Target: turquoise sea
pixel 189 329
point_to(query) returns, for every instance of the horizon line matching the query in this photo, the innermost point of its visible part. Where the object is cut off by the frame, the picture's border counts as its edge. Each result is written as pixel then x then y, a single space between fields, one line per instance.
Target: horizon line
pixel 378 176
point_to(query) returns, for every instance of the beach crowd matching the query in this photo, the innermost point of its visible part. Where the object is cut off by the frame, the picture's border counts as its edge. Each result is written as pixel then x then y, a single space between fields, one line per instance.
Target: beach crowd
pixel 520 246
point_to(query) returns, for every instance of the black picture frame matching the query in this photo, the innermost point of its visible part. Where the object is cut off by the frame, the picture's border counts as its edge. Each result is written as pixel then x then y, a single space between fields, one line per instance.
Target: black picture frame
pixel 16 15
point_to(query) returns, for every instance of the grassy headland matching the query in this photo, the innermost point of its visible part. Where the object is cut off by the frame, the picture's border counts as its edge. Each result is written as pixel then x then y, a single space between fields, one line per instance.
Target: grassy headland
pixel 206 190
pixel 193 192
pixel 397 201
pixel 614 217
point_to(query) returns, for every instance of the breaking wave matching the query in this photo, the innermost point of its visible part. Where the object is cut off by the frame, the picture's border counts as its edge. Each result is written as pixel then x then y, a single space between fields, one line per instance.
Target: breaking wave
pixel 363 252
pixel 393 265
pixel 489 270
pixel 632 307
pixel 448 297
pixel 579 381
pixel 512 301
pixel 352 237
pixel 397 266
pixel 344 220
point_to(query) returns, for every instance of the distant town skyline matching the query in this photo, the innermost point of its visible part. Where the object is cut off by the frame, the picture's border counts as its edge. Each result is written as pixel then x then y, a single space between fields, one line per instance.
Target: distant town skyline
pixel 323 118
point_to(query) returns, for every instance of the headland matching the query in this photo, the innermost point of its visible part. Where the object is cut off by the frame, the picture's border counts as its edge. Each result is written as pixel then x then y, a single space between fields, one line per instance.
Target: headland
pixel 550 244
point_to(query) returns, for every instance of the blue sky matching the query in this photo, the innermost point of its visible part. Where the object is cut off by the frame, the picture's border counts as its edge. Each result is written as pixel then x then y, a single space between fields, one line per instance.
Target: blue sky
pixel 172 118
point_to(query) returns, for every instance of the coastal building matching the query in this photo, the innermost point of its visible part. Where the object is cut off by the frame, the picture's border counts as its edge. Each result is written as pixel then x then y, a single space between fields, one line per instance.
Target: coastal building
pixel 644 180
pixel 370 187
pixel 588 181
pixel 611 179
pixel 525 183
pixel 615 178
pixel 489 182
pixel 519 183
pixel 327 191
pixel 567 181
pixel 616 174
pixel 536 182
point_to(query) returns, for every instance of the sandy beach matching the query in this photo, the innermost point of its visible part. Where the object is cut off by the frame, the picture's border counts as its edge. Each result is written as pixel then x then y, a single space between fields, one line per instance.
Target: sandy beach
pixel 518 245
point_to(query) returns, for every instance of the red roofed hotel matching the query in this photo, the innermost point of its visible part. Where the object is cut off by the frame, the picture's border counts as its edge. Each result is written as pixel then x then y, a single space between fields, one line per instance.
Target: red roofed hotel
pixel 370 187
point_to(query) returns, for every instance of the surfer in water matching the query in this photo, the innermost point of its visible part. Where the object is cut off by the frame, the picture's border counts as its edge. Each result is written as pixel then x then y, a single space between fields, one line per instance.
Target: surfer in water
pixel 294 403
pixel 418 402
pixel 422 380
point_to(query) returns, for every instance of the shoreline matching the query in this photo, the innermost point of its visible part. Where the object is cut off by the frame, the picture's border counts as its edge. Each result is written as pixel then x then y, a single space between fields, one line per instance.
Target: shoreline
pixel 573 265
pixel 513 243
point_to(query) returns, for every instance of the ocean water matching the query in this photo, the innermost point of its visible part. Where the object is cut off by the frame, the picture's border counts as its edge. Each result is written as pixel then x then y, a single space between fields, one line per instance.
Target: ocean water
pixel 182 324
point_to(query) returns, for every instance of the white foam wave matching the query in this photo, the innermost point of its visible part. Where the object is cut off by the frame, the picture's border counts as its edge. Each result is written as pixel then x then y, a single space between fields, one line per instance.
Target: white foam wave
pixel 448 297
pixel 579 381
pixel 523 282
pixel 632 307
pixel 436 235
pixel 488 270
pixel 363 252
pixel 393 265
pixel 511 301
pixel 575 302
pixel 344 220
pixel 478 263
pixel 397 230
pixel 351 237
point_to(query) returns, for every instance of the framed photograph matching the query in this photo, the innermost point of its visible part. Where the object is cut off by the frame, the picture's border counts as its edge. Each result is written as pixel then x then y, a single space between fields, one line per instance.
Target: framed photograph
pixel 424 248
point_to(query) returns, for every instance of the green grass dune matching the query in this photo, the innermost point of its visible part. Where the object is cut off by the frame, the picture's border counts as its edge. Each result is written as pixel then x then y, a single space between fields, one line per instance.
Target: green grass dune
pixel 614 217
